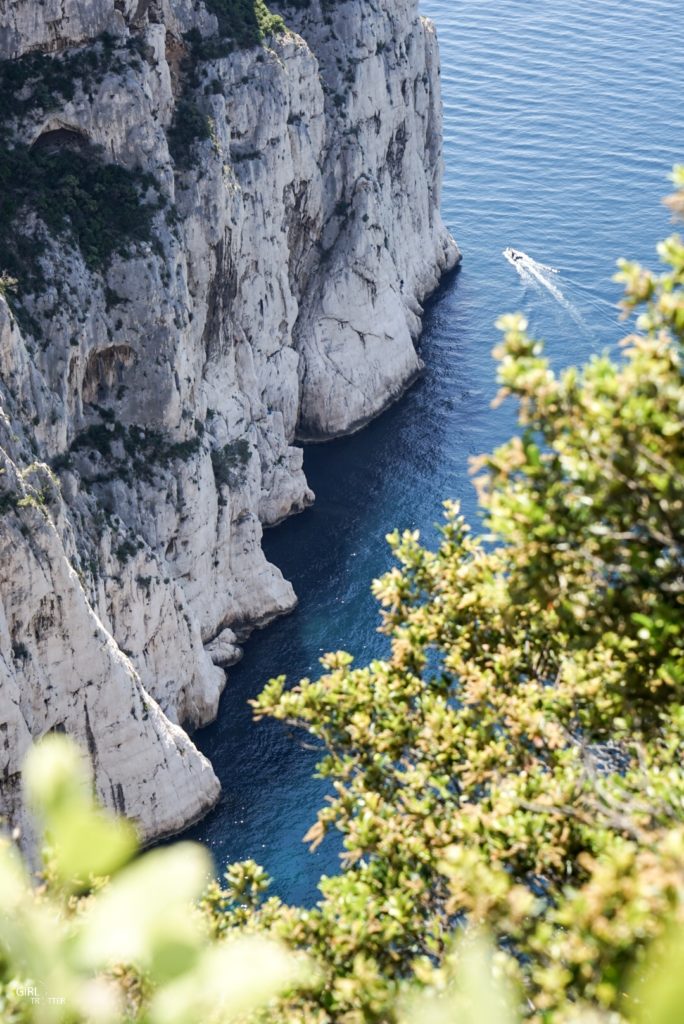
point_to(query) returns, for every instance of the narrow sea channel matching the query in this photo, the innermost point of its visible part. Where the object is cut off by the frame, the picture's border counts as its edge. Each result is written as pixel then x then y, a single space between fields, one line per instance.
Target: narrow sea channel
pixel 562 121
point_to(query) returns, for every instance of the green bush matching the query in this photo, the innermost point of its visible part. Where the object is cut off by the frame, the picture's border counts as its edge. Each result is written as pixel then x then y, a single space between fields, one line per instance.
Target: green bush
pixel 246 22
pixel 144 451
pixel 73 949
pixel 515 763
pixel 100 208
pixel 230 462
pixel 42 81
pixel 189 127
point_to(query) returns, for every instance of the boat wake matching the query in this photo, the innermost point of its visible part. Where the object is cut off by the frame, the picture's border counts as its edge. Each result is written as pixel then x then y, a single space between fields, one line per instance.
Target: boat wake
pixel 518 258
pixel 532 272
pixel 543 277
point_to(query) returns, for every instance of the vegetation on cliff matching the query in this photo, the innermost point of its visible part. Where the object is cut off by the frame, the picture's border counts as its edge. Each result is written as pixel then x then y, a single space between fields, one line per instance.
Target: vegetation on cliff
pixel 61 186
pixel 245 22
pixel 509 781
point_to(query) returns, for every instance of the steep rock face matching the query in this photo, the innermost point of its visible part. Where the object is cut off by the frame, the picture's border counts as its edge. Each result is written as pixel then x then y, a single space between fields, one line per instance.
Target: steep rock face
pixel 216 250
pixel 383 246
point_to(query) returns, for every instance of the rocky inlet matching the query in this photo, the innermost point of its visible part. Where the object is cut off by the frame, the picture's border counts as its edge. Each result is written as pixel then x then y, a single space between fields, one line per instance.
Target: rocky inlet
pixel 211 251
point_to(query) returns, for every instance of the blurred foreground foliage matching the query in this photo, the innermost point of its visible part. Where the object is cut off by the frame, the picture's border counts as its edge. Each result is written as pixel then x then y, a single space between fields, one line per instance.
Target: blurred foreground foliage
pixel 508 782
pixel 106 938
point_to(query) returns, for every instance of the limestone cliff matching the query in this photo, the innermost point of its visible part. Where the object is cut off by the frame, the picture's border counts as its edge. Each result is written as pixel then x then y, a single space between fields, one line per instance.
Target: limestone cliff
pixel 211 248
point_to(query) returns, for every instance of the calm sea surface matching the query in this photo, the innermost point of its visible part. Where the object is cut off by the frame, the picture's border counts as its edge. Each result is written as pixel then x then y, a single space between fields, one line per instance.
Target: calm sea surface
pixel 562 121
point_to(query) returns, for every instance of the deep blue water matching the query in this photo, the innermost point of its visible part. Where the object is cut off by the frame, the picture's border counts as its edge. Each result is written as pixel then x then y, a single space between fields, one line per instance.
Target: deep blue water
pixel 562 121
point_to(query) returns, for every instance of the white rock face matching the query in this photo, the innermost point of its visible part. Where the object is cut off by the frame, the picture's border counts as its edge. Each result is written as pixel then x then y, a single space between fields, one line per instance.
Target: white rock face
pixel 276 296
pixel 384 241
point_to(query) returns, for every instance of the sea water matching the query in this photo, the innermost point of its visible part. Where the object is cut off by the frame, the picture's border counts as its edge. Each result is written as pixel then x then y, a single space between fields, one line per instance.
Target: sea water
pixel 562 121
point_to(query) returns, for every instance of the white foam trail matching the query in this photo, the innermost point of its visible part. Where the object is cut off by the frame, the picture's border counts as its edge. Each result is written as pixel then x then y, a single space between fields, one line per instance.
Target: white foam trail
pixel 545 266
pixel 610 311
pixel 529 270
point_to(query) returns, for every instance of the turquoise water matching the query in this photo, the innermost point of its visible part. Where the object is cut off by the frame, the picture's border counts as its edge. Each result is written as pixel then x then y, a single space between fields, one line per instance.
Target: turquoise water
pixel 562 120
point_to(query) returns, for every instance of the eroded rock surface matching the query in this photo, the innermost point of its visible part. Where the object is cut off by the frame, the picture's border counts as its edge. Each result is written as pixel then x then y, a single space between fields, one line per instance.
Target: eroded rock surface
pixel 251 233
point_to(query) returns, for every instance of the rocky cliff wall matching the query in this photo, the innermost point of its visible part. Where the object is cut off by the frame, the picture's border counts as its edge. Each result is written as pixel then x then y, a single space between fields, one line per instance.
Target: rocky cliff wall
pixel 210 251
